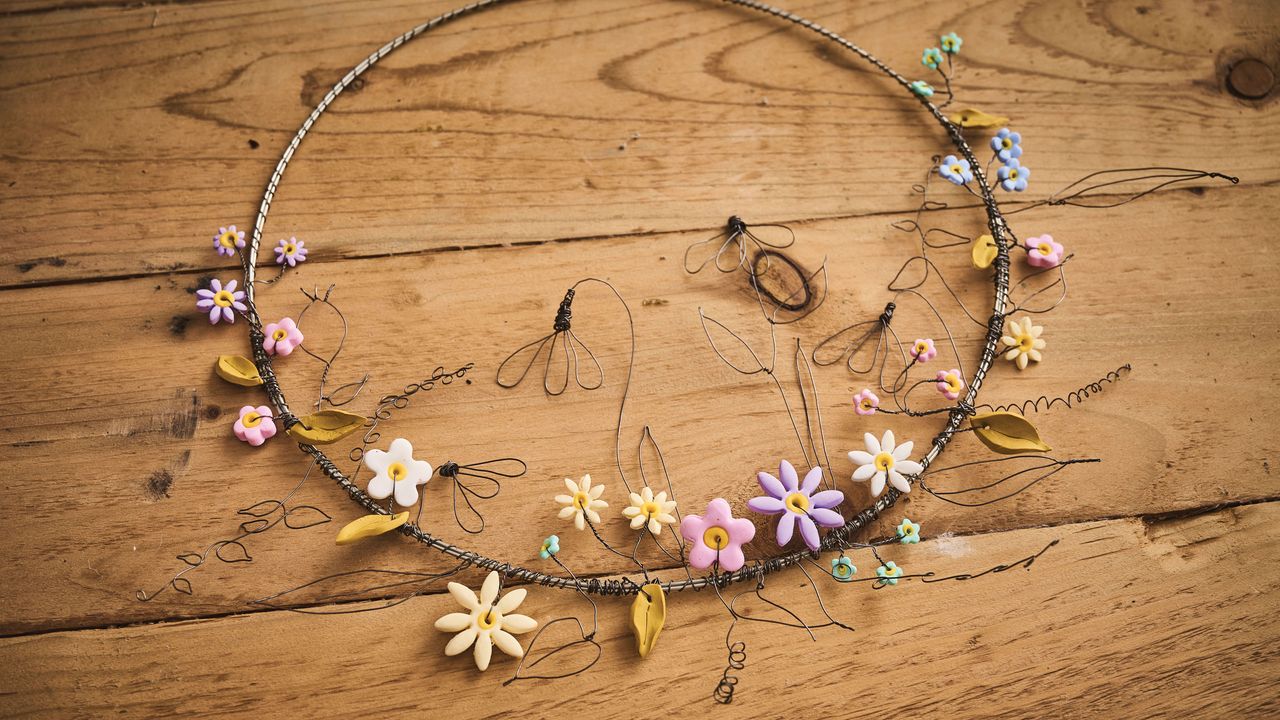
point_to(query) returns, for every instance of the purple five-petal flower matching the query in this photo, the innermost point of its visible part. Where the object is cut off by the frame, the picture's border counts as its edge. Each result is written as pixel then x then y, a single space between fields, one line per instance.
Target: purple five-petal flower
pixel 797 503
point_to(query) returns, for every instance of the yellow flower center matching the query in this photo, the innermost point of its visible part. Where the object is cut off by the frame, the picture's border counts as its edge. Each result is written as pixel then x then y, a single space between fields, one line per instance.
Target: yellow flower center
pixel 1025 342
pixel 884 461
pixel 908 529
pixel 649 509
pixel 1013 173
pixel 921 348
pixel 1045 248
pixel 251 419
pixel 397 471
pixel 866 404
pixel 716 538
pixel 280 334
pixel 952 381
pixel 228 239
pixel 489 619
pixel 1006 143
pixel 956 169
pixel 581 499
pixel 290 249
pixel 223 298
pixel 797 503
pixel 842 570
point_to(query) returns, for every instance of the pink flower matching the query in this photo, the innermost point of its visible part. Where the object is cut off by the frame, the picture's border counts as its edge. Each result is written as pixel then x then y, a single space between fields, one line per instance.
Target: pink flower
pixel 282 337
pixel 255 424
pixel 1043 251
pixel 950 383
pixel 227 240
pixel 923 350
pixel 865 402
pixel 717 536
pixel 221 302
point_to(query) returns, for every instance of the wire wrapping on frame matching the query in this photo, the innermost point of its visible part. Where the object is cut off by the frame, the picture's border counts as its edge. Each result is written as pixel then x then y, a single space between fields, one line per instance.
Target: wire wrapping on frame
pixel 838 537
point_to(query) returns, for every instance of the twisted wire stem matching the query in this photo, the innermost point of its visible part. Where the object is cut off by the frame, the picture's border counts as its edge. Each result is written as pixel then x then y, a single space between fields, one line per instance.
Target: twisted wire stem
pixel 837 539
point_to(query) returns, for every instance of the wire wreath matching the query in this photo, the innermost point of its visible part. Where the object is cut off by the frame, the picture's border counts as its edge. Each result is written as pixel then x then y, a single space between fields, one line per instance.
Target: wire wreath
pixel 838 538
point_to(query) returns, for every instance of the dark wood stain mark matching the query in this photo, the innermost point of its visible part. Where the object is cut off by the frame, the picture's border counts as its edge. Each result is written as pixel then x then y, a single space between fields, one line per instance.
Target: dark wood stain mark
pixel 30 265
pixel 178 325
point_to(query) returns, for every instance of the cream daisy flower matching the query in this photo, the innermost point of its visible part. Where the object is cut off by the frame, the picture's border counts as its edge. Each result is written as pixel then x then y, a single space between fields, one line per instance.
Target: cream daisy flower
pixel 648 508
pixel 1024 342
pixel 583 503
pixel 885 461
pixel 486 622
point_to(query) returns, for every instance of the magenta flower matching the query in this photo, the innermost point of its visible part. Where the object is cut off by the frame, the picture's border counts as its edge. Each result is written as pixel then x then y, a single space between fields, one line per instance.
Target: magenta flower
pixel 950 383
pixel 255 424
pixel 717 537
pixel 282 337
pixel 221 302
pixel 923 350
pixel 797 503
pixel 865 402
pixel 1043 251
pixel 227 240
pixel 291 251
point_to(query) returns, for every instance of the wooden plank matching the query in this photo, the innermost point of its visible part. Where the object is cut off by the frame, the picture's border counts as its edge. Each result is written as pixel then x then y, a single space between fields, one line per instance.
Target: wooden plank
pixel 133 132
pixel 121 453
pixel 1122 619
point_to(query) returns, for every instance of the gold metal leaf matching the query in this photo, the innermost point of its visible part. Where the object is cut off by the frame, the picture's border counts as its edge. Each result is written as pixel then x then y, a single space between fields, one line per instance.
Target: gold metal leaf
pixel 648 614
pixel 327 426
pixel 1007 433
pixel 369 526
pixel 984 251
pixel 237 370
pixel 973 118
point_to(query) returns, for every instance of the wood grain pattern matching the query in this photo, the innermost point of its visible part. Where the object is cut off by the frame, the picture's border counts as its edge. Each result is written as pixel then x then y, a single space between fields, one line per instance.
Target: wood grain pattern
pixel 471 179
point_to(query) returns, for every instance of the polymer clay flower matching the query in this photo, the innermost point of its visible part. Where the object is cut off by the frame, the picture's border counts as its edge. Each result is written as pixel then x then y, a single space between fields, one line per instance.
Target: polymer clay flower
pixel 655 510
pixel 843 569
pixel 291 251
pixel 550 547
pixel 883 460
pixel 583 504
pixel 865 402
pixel 1013 176
pixel 1007 145
pixel 888 573
pixel 951 43
pixel 221 302
pixel 950 383
pixel 908 532
pixel 396 472
pixel 282 337
pixel 1024 341
pixel 227 240
pixel 1043 251
pixel 931 58
pixel 923 350
pixel 717 536
pixel 254 425
pixel 797 503
pixel 486 623
pixel 955 170
pixel 921 88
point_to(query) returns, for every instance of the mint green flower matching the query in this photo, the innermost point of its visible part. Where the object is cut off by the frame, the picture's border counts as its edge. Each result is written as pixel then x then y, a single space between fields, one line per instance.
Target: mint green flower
pixel 550 547
pixel 889 573
pixel 843 569
pixel 931 58
pixel 921 88
pixel 909 532
pixel 951 43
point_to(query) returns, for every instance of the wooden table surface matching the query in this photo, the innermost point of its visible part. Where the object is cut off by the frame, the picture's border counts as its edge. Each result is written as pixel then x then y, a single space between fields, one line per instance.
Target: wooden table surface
pixel 456 192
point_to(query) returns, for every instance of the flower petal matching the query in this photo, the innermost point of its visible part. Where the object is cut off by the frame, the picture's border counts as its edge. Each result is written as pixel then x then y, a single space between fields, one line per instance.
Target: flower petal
pixel 873 445
pixel 381 487
pixel 861 458
pixel 376 460
pixel 903 451
pixel 484 651
pixel 864 473
pixel 506 643
pixel 518 623
pixel 787 474
pixel 771 485
pixel 808 531
pixel 406 493
pixel 464 595
pixel 877 484
pixel 826 518
pixel 887 442
pixel 453 622
pixel 511 601
pixel 786 527
pixel 489 590
pixel 827 499
pixel 811 480
pixel 898 481
pixel 461 641
pixel 766 505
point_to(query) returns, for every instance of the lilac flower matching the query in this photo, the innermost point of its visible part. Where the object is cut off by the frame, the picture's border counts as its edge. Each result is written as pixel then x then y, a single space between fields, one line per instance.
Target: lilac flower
pixel 1007 145
pixel 291 251
pixel 227 240
pixel 1013 176
pixel 221 302
pixel 797 503
pixel 956 170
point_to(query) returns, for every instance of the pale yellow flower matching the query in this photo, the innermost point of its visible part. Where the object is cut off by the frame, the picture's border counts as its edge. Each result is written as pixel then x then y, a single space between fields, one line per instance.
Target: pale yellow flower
pixel 656 510
pixel 583 502
pixel 487 621
pixel 1024 342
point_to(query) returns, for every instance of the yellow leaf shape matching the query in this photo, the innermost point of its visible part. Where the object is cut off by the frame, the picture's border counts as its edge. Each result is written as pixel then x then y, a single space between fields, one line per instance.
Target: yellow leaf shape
pixel 648 614
pixel 984 251
pixel 237 370
pixel 1007 433
pixel 370 525
pixel 973 118
pixel 327 426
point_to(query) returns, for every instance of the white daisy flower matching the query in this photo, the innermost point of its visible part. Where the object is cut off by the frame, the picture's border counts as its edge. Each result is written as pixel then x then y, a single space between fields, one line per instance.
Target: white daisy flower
pixel 395 471
pixel 648 508
pixel 583 503
pixel 486 623
pixel 884 460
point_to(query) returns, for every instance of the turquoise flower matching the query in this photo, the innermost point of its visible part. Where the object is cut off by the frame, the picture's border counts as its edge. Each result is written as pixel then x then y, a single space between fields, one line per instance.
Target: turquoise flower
pixel 889 573
pixel 550 547
pixel 843 569
pixel 921 88
pixel 931 58
pixel 909 532
pixel 951 43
